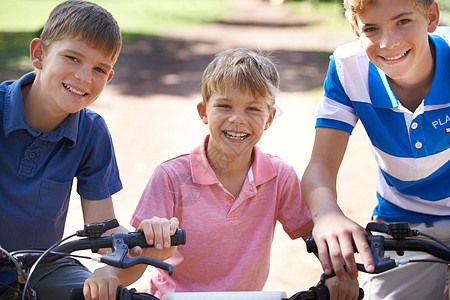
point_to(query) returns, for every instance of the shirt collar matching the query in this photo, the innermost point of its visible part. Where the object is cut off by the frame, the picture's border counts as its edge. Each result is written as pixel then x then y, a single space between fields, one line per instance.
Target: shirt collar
pixel 202 173
pixel 382 95
pixel 15 119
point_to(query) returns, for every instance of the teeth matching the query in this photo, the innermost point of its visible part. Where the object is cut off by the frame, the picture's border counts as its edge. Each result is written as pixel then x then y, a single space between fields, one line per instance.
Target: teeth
pixel 396 57
pixel 73 90
pixel 235 135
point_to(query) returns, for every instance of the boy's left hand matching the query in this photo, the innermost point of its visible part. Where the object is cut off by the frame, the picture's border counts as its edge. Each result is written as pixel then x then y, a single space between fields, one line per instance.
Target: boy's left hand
pixel 343 290
pixel 102 285
pixel 157 232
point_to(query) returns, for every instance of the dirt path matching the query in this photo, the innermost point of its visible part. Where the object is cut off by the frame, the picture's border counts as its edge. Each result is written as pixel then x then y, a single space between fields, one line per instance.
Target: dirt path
pixel 150 110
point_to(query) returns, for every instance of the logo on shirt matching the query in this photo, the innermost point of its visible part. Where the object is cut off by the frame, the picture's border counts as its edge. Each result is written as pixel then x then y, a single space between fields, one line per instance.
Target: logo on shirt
pixel 441 122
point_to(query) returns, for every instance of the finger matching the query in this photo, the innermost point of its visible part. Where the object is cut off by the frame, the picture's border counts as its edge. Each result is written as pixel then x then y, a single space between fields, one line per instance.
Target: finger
pixel 337 262
pixel 112 291
pixel 158 232
pixel 147 228
pixel 364 251
pixel 136 251
pixel 87 291
pixel 348 255
pixel 174 223
pixel 322 254
pixel 165 231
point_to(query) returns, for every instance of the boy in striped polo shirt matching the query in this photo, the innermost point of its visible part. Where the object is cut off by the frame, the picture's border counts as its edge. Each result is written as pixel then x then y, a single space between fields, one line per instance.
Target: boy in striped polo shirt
pixel 395 79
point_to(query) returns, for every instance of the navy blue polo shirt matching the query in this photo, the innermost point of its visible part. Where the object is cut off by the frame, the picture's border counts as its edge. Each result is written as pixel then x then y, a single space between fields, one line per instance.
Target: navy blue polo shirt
pixel 37 170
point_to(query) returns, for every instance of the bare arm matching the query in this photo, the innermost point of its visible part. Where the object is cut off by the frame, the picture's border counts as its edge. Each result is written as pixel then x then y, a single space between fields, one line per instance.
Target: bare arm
pixel 333 231
pixel 104 281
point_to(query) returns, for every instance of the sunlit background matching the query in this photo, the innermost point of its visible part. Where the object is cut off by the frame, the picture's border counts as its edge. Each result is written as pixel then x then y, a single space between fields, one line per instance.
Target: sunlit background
pixel 149 105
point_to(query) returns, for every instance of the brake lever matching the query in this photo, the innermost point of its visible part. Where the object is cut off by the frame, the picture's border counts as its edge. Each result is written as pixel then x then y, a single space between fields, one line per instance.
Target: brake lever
pixel 119 259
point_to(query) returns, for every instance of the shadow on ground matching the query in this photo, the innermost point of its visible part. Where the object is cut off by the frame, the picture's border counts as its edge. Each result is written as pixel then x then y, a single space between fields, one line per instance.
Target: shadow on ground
pixel 149 65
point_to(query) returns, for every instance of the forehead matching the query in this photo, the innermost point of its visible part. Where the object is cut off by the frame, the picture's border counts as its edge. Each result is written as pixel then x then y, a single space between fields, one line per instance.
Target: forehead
pixel 81 47
pixel 382 9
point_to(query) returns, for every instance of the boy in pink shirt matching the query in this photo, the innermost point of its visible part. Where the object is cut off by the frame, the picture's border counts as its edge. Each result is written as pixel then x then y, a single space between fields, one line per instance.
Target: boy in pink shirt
pixel 226 193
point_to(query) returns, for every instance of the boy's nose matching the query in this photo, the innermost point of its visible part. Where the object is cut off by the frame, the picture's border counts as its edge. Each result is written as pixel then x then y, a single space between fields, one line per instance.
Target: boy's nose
pixel 83 74
pixel 236 117
pixel 389 39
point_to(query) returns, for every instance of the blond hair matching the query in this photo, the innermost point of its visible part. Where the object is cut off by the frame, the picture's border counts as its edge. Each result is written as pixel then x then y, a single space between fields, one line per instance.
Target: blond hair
pixel 244 69
pixel 89 21
pixel 355 7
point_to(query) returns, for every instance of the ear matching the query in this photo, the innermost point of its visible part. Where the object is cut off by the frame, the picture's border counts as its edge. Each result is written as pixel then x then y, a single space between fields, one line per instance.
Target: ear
pixel 269 121
pixel 433 17
pixel 201 109
pixel 355 30
pixel 110 76
pixel 37 49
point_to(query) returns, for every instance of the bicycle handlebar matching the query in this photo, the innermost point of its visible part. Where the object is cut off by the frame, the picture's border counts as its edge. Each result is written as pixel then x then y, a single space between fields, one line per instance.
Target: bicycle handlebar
pixel 121 242
pixel 399 243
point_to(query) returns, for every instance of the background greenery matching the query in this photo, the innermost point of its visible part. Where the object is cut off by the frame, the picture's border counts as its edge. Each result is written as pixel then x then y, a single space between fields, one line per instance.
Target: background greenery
pixel 323 5
pixel 22 20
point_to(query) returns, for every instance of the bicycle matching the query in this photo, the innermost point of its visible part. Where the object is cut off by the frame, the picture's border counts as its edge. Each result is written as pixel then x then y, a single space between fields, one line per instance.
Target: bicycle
pixel 401 241
pixel 25 261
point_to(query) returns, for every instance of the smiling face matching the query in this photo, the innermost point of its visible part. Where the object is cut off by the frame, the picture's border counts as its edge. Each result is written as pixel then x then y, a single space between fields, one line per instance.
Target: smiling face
pixel 236 122
pixel 394 34
pixel 71 74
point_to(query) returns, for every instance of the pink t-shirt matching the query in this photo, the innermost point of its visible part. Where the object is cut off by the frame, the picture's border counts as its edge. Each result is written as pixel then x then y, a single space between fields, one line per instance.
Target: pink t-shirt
pixel 228 240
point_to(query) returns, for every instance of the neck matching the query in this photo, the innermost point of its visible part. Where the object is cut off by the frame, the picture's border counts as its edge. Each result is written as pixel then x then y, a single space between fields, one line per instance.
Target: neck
pixel 38 115
pixel 225 166
pixel 411 92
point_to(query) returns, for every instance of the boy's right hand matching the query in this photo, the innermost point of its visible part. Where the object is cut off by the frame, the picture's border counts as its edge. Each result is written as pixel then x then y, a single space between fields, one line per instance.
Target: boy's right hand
pixel 334 235
pixel 157 233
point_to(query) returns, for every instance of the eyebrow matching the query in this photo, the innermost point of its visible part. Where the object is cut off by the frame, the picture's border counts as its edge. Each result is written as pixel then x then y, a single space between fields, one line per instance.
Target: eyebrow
pixel 104 65
pixel 399 16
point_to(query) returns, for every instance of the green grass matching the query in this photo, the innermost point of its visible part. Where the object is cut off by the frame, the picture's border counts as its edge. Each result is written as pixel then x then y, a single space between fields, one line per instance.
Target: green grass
pixel 150 17
pixel 322 17
pixel 22 20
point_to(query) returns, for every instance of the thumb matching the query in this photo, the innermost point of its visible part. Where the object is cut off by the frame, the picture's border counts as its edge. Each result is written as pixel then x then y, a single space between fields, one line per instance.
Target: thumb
pixel 136 251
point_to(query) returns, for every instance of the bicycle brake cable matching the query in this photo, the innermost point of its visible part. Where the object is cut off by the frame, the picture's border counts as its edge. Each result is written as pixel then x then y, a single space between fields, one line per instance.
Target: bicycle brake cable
pixel 33 267
pixel 435 240
pixel 17 266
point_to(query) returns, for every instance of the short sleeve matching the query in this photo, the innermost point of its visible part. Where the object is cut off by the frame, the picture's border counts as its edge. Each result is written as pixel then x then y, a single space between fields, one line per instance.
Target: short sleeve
pixel 98 174
pixel 157 198
pixel 292 212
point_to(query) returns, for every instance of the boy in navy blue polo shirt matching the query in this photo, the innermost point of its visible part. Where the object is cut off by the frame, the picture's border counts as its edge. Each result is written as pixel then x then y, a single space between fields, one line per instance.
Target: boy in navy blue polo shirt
pixel 395 79
pixel 48 137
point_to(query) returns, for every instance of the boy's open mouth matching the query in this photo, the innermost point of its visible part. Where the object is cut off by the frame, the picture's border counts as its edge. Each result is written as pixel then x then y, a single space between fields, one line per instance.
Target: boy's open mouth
pixel 74 90
pixel 236 135
pixel 396 57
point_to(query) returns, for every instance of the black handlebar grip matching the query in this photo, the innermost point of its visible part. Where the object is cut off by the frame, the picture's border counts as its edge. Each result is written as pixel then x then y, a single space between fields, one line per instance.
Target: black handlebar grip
pixel 311 246
pixel 133 239
pixel 76 294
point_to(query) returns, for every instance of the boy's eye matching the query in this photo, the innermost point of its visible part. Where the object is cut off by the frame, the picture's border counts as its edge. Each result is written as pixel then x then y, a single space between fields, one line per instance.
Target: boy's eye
pixel 403 22
pixel 369 29
pixel 224 105
pixel 253 108
pixel 72 58
pixel 100 70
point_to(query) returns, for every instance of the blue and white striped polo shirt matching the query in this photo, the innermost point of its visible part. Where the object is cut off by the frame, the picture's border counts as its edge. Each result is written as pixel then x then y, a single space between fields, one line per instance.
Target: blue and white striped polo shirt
pixel 412 149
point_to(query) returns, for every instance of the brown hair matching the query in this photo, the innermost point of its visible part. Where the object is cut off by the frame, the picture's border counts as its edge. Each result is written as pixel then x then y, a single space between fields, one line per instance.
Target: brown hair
pixel 245 69
pixel 355 7
pixel 89 21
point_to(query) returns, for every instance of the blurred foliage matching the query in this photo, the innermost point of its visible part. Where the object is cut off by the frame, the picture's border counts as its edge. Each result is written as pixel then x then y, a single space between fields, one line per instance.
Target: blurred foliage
pixel 22 20
pixel 444 6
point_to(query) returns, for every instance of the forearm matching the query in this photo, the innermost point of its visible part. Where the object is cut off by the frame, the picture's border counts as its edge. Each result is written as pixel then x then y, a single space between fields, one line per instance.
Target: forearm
pixel 319 190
